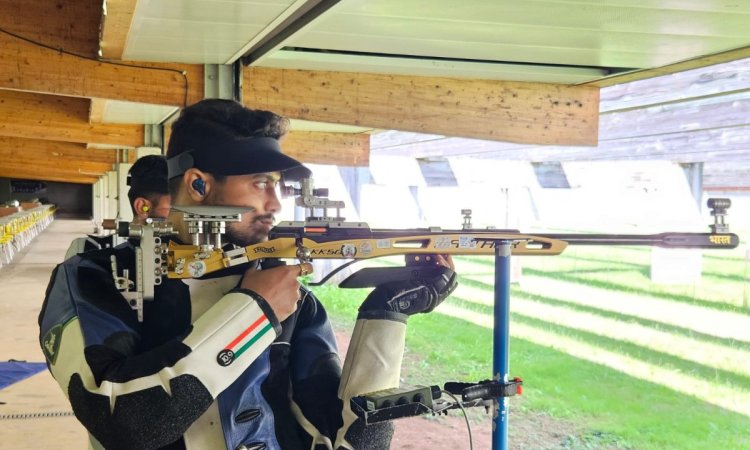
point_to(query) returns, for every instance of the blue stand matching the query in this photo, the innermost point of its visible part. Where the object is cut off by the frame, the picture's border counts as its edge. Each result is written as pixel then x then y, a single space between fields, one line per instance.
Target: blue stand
pixel 501 341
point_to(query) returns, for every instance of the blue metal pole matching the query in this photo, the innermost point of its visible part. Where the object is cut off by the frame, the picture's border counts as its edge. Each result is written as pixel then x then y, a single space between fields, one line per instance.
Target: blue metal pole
pixel 501 341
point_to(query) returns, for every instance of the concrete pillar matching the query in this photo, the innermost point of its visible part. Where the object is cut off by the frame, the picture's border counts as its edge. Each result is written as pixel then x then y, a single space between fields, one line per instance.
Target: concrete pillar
pixel 354 178
pixel 123 202
pixel 4 190
pixel 96 202
pixel 153 137
pixel 112 195
pixel 104 199
pixel 694 175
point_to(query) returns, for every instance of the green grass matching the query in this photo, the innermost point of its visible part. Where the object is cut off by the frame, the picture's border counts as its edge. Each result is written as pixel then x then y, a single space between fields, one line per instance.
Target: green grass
pixel 614 410
pixel 725 282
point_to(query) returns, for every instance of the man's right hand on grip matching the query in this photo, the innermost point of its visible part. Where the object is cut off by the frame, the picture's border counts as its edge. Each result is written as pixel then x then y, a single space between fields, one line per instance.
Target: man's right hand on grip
pixel 278 286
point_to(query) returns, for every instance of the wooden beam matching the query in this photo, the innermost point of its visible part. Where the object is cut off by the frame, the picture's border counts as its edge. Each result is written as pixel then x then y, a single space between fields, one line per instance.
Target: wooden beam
pixel 534 113
pixel 682 66
pixel 341 149
pixel 70 25
pixel 49 176
pixel 701 127
pixel 116 26
pixel 382 145
pixel 73 166
pixel 27 67
pixel 58 164
pixel 37 116
pixel 67 168
pixel 18 149
pixel 77 168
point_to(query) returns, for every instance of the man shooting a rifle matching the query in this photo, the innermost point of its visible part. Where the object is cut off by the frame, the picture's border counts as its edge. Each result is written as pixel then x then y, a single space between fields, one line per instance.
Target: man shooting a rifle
pixel 242 359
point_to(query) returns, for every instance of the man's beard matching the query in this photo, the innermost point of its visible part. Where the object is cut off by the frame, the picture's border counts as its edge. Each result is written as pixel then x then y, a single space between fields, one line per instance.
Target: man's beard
pixel 243 236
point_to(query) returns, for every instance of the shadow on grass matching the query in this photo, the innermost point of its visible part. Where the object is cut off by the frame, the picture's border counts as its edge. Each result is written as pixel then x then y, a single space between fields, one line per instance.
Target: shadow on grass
pixel 612 286
pixel 656 325
pixel 645 354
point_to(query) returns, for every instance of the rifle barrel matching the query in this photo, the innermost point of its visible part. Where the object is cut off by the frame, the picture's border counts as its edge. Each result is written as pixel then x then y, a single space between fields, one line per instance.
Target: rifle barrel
pixel 665 240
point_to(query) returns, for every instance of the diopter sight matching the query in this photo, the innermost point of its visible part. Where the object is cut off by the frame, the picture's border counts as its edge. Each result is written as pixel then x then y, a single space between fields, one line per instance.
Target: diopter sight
pixel 315 201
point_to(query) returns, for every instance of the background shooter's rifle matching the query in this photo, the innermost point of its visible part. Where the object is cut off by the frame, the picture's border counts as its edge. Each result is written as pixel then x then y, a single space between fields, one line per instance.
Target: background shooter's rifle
pixel 322 236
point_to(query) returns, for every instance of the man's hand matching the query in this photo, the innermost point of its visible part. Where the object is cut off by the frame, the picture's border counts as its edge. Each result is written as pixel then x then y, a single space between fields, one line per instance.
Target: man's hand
pixel 414 296
pixel 279 286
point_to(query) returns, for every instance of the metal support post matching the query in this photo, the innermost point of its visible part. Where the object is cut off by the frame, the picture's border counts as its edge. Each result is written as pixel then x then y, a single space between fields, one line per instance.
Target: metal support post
pixel 219 81
pixel 501 341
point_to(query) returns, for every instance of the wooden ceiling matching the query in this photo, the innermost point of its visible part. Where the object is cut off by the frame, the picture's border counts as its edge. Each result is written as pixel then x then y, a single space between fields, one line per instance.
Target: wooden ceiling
pixel 81 80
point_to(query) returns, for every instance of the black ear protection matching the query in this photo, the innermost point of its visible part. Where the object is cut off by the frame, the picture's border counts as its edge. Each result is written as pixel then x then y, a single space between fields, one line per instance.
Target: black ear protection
pixel 200 186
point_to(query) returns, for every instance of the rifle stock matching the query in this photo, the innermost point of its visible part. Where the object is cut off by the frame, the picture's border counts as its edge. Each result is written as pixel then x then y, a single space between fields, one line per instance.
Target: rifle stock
pixel 306 241
pixel 306 245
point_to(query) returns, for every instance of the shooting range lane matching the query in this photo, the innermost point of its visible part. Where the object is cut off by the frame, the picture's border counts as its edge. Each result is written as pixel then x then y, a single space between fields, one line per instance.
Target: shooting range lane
pixel 33 411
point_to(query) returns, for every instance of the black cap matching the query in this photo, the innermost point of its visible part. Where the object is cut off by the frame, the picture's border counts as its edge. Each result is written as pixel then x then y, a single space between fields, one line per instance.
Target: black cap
pixel 226 155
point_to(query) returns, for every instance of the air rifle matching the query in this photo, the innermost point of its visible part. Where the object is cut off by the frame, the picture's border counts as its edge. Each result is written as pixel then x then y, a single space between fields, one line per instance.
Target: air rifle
pixel 324 236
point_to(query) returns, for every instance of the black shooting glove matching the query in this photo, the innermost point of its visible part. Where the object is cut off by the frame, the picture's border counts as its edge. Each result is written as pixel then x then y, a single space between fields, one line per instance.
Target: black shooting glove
pixel 412 296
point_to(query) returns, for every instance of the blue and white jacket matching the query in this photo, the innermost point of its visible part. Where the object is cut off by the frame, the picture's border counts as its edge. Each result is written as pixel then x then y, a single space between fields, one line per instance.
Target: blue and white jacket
pixel 209 367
